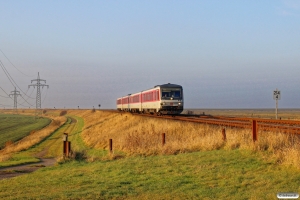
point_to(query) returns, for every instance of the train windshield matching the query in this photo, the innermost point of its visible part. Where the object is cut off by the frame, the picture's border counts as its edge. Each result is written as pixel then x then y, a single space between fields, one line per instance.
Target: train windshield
pixel 174 93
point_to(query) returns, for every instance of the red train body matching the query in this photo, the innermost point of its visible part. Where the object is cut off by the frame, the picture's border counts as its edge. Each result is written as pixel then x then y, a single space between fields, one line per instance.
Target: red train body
pixel 162 99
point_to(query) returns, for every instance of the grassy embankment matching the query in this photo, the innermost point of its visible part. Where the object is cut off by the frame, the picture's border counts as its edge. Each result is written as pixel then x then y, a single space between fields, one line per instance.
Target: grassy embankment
pixel 136 135
pixel 205 168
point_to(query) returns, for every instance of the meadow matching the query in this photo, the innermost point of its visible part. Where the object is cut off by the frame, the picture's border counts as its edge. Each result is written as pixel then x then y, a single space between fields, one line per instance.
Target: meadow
pixel 194 163
pixel 9 155
pixel 15 127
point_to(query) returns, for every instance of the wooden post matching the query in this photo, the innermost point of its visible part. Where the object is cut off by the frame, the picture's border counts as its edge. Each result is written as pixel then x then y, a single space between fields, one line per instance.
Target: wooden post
pixel 254 130
pixel 66 148
pixel 163 137
pixel 223 134
pixel 66 145
pixel 110 145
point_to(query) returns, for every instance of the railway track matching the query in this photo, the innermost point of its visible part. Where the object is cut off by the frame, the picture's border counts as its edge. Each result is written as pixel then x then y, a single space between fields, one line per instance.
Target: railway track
pixel 284 126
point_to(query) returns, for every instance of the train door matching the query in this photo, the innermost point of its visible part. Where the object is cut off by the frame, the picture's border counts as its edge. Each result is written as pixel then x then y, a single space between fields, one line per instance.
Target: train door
pixel 141 100
pixel 122 103
pixel 128 100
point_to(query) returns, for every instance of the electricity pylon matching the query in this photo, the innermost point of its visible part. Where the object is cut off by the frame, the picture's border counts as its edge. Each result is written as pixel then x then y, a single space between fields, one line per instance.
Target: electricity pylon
pixel 15 94
pixel 38 86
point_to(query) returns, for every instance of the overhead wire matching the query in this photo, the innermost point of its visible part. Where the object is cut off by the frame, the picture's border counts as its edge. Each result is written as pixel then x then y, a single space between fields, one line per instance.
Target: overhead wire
pixel 11 79
pixel 25 100
pixel 15 84
pixel 6 105
pixel 45 95
pixel 5 93
pixel 13 64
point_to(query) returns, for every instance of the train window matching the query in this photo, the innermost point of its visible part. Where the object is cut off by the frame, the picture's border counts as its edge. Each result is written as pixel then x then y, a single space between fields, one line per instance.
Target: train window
pixel 171 93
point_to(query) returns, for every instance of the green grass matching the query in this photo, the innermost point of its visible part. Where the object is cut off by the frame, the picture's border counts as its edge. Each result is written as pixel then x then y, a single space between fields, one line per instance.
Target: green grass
pixel 215 174
pixel 218 174
pixel 78 144
pixel 15 127
pixel 53 144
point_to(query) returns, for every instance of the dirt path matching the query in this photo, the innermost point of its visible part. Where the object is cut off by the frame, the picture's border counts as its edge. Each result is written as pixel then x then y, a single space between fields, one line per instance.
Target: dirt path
pixel 9 172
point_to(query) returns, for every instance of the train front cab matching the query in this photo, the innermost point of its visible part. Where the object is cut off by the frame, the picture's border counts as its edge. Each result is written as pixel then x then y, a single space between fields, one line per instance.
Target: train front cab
pixel 171 99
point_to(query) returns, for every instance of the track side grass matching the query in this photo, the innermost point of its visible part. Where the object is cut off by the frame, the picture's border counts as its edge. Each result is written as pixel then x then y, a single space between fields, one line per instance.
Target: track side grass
pixel 218 174
pixel 15 127
pixel 136 135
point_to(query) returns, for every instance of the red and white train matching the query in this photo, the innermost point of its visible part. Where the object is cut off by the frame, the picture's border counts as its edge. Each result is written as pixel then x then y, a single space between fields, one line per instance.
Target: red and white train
pixel 162 99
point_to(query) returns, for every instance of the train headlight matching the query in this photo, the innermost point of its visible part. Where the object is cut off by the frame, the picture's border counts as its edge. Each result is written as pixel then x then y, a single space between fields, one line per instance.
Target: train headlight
pixel 171 98
pixel 179 103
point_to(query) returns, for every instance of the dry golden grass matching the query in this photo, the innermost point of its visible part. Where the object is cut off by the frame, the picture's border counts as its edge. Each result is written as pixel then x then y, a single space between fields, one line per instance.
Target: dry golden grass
pixel 33 138
pixel 143 136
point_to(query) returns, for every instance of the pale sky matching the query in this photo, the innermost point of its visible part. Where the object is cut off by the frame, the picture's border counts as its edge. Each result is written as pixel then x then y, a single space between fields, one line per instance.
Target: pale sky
pixel 225 54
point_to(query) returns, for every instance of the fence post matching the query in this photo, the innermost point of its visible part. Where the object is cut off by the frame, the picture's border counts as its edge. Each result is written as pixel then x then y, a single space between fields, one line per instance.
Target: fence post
pixel 66 145
pixel 223 134
pixel 163 137
pixel 254 130
pixel 110 145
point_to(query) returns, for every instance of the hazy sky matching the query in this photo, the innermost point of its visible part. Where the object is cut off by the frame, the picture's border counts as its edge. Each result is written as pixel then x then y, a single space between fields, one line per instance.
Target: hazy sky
pixel 225 54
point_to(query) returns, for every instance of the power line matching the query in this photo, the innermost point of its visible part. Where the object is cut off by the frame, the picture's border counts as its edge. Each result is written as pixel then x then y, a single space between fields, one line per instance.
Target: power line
pixel 5 93
pixel 11 79
pixel 25 100
pixel 13 64
pixel 45 96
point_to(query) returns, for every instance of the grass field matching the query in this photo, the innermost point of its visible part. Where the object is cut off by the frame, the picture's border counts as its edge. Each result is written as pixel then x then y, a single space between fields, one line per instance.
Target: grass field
pixel 236 174
pixel 17 153
pixel 15 127
pixel 194 164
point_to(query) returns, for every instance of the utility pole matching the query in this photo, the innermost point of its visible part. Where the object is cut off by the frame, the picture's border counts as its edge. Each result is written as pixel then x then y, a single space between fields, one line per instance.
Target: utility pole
pixel 276 97
pixel 38 86
pixel 15 94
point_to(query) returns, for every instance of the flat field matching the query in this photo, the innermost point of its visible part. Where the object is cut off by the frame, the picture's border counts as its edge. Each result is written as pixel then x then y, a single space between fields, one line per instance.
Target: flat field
pixel 195 163
pixel 260 113
pixel 15 127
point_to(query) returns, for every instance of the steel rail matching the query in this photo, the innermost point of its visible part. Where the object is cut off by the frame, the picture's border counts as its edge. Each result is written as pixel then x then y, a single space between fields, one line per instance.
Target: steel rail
pixel 285 126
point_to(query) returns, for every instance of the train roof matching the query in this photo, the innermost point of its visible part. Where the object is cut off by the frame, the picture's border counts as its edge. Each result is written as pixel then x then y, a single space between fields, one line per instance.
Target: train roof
pixel 168 85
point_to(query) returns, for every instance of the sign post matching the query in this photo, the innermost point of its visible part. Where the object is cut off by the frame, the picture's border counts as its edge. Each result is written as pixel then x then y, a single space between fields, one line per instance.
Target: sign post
pixel 276 97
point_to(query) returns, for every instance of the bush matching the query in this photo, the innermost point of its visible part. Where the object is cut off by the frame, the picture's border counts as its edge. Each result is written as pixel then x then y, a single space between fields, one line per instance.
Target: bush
pixel 63 112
